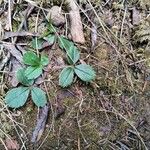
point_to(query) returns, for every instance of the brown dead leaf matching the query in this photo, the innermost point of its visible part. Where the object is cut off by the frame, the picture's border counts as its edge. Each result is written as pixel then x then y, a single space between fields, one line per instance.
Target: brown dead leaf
pixel 40 124
pixel 16 62
pixel 14 51
pixel 15 65
pixel 12 144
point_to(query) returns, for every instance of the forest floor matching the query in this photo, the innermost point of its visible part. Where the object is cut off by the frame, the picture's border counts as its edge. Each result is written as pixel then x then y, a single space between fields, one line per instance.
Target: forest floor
pixel 112 112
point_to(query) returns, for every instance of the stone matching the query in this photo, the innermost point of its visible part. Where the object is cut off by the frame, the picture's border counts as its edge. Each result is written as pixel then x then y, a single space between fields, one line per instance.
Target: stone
pixel 55 16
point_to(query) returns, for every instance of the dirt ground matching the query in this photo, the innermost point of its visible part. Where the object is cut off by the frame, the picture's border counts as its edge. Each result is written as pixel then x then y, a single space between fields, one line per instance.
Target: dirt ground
pixel 111 112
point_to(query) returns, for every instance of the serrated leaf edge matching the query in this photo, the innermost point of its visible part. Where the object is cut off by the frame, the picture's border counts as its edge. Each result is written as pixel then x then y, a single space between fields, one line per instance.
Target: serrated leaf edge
pixel 27 89
pixel 66 77
pixel 85 73
pixel 33 90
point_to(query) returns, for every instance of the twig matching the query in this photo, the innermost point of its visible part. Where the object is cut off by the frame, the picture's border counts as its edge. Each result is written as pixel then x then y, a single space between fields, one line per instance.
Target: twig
pixel 19 33
pixel 9 14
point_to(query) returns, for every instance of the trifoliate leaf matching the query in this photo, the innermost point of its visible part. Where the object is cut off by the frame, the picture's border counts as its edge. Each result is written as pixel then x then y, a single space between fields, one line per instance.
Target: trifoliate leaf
pixel 33 72
pixel 38 97
pixel 22 78
pixel 44 60
pixel 66 76
pixel 85 72
pixel 17 97
pixel 73 54
pixel 37 43
pixel 30 58
pixel 64 43
pixel 50 38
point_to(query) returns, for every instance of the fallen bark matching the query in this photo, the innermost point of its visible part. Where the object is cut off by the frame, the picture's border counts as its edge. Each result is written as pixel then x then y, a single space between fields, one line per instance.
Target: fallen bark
pixel 75 22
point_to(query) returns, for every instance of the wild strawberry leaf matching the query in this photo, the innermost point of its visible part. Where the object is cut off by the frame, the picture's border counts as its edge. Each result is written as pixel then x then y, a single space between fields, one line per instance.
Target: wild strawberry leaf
pixel 22 78
pixel 50 38
pixel 38 97
pixel 30 58
pixel 33 72
pixel 51 28
pixel 85 72
pixel 17 97
pixel 64 43
pixel 73 54
pixel 66 76
pixel 37 43
pixel 44 60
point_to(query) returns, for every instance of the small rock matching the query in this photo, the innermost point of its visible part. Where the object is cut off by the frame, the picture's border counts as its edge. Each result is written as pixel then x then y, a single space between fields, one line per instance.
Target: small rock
pixel 55 16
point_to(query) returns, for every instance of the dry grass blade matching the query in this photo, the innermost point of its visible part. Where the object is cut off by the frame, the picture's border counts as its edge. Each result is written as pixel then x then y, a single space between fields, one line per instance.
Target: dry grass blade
pixel 93 37
pixel 10 8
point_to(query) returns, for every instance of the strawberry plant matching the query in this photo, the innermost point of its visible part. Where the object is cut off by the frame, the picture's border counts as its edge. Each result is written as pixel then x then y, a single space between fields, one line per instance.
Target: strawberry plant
pixel 17 97
pixel 35 64
pixel 83 71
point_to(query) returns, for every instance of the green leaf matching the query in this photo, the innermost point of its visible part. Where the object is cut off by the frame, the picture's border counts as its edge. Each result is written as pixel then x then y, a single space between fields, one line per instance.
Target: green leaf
pixel 37 43
pixel 50 38
pixel 51 28
pixel 17 97
pixel 64 43
pixel 22 78
pixel 66 76
pixel 44 60
pixel 73 54
pixel 30 58
pixel 38 97
pixel 85 72
pixel 33 72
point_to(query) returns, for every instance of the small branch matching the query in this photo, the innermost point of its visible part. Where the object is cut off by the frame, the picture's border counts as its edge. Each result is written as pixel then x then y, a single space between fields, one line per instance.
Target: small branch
pixel 18 33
